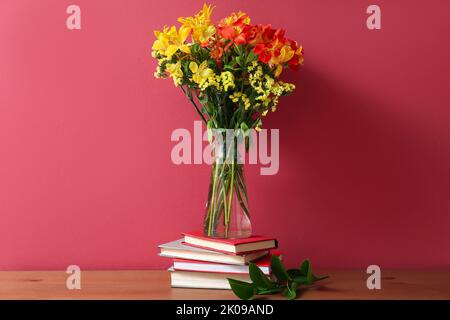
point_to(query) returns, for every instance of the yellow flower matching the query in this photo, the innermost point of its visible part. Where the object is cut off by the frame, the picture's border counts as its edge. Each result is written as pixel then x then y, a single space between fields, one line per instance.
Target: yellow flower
pixel 240 96
pixel 236 96
pixel 200 73
pixel 227 79
pixel 286 54
pixel 170 40
pixel 201 26
pixel 212 81
pixel 236 19
pixel 174 69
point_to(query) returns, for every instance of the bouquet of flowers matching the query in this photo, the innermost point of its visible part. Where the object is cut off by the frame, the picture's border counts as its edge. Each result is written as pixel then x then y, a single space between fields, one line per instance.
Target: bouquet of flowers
pixel 230 72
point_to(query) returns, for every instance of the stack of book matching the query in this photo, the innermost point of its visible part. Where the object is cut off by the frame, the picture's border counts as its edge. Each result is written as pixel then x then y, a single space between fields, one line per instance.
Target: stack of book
pixel 202 262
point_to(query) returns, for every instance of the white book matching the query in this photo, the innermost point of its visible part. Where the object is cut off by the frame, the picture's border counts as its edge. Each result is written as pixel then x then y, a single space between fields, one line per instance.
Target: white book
pixel 203 280
pixel 203 266
pixel 177 249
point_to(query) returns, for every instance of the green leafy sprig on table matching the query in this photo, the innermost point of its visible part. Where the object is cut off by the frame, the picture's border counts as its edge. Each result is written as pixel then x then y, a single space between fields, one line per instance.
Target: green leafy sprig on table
pixel 287 281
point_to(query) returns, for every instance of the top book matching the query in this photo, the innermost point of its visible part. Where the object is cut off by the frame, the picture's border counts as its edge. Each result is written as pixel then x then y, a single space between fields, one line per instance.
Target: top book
pixel 234 246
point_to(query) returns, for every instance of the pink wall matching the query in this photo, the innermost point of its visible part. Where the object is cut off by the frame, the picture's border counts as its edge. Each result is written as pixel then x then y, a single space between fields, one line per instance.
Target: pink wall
pixel 85 170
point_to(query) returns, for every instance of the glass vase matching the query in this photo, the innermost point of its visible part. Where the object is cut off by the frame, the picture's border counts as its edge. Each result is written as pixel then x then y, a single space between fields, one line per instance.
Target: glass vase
pixel 227 214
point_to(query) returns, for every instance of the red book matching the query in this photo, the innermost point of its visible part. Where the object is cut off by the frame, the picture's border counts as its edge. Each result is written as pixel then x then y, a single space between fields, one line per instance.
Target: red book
pixel 233 246
pixel 201 266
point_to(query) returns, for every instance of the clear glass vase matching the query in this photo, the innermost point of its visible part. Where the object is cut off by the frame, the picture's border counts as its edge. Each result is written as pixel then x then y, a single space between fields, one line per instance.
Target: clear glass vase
pixel 227 213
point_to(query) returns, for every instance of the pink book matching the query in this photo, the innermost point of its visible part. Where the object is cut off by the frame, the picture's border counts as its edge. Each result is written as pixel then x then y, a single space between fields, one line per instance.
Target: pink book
pixel 233 246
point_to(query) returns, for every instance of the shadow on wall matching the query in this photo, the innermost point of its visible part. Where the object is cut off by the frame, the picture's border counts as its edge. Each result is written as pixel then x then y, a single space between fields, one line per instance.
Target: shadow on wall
pixel 346 162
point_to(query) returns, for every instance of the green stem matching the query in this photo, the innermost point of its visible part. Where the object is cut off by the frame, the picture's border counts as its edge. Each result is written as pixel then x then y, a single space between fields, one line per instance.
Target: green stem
pixel 230 196
pixel 216 170
pixel 189 96
pixel 224 196
pixel 241 183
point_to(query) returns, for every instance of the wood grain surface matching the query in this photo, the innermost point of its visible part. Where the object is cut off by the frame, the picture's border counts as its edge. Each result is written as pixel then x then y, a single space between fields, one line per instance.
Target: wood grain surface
pixel 154 284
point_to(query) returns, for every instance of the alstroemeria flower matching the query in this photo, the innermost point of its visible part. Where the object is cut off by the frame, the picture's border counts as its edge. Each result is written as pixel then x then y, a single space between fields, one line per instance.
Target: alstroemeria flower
pixel 197 56
pixel 200 73
pixel 264 39
pixel 169 41
pixel 273 48
pixel 217 49
pixel 297 59
pixel 232 27
pixel 259 34
pixel 280 58
pixel 200 25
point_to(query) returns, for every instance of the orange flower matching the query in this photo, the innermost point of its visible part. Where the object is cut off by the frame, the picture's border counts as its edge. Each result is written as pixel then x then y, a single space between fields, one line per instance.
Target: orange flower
pixel 273 47
pixel 297 59
pixel 231 27
pixel 217 51
pixel 259 34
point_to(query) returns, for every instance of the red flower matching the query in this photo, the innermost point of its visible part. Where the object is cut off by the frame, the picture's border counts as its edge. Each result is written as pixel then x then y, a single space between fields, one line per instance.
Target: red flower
pixel 263 52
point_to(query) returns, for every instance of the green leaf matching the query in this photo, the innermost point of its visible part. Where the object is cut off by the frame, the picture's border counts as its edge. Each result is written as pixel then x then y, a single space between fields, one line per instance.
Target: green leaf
pixel 243 290
pixel 288 280
pixel 304 267
pixel 237 49
pixel 318 278
pixel 296 276
pixel 251 56
pixel 238 60
pixel 278 268
pixel 291 291
pixel 305 271
pixel 269 291
pixel 203 99
pixel 209 127
pixel 301 276
pixel 185 67
pixel 195 48
pixel 231 66
pixel 293 273
pixel 259 278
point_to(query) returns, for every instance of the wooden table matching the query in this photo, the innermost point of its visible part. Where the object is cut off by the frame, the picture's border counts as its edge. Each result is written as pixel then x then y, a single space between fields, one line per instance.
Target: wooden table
pixel 343 284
